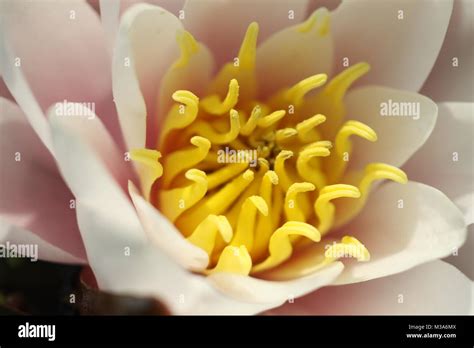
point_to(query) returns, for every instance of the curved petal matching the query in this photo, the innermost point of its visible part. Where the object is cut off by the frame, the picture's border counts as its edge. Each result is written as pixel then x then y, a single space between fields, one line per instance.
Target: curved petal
pixel 312 48
pixel 400 51
pixel 251 289
pixel 435 288
pixel 221 24
pixel 403 226
pixel 463 259
pixel 165 235
pixel 146 46
pixel 398 136
pixel 54 64
pixel 34 200
pixel 451 77
pixel 109 16
pixel 446 160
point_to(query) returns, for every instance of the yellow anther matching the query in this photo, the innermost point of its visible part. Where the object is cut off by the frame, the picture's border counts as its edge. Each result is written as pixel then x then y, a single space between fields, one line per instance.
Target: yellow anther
pixel 348 247
pixel 204 129
pixel 251 124
pixel 271 119
pixel 149 168
pixel 214 106
pixel 342 143
pixel 337 87
pixel 180 115
pixel 280 247
pixel 244 234
pixel 224 174
pixel 181 160
pixel 318 21
pixel 343 147
pixel 293 210
pixel 306 129
pixel 283 135
pixel 248 49
pixel 188 47
pixel 205 234
pixel 176 201
pixel 233 260
pixel 325 210
pixel 303 166
pixel 283 177
pixel 374 171
pixel 216 204
pixel 296 93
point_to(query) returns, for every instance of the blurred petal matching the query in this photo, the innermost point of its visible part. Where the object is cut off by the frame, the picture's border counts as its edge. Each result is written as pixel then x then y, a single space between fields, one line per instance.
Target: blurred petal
pixel 146 46
pixel 165 235
pixel 403 226
pixel 435 288
pixel 399 137
pixel 34 200
pixel 455 83
pixel 446 160
pixel 312 49
pixel 221 24
pixel 401 52
pixel 62 49
pixel 464 258
pixel 109 16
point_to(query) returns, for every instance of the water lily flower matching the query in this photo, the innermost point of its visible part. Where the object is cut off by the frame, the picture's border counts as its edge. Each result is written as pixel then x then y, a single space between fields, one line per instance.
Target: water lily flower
pixel 233 156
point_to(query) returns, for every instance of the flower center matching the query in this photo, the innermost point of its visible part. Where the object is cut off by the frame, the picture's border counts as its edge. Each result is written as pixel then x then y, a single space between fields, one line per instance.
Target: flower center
pixel 253 182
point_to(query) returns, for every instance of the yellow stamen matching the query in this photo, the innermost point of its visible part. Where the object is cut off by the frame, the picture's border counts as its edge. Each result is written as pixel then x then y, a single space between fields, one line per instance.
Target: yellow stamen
pixel 293 210
pixel 325 210
pixel 252 122
pixel 306 129
pixel 214 106
pixel 224 174
pixel 244 234
pixel 283 176
pixel 233 260
pixel 188 46
pixel 296 93
pixel 280 247
pixel 305 170
pixel 204 236
pixel 204 129
pixel 343 147
pixel 176 201
pixel 181 160
pixel 150 169
pixel 271 119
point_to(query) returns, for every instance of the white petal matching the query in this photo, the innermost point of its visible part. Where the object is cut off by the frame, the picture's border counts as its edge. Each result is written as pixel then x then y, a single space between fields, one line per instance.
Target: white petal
pixel 221 24
pixel 448 82
pixel 16 235
pixel 435 288
pixel 398 136
pixel 19 88
pixel 427 227
pixel 277 56
pixel 446 160
pixel 34 200
pixel 400 51
pixel 172 6
pixel 146 46
pixel 165 235
pixel 463 259
pixel 109 15
pixel 276 293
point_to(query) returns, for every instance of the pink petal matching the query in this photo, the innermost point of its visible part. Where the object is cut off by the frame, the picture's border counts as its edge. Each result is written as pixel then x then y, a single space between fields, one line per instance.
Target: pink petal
pixel 61 57
pixel 33 195
pixel 455 83
pixel 434 288
pixel 221 24
pixel 400 51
